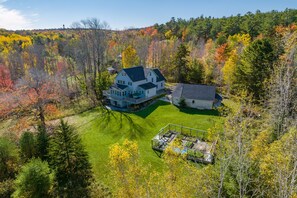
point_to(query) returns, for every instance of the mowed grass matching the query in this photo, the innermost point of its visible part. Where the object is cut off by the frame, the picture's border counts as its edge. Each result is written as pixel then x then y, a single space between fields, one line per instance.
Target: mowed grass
pixel 99 131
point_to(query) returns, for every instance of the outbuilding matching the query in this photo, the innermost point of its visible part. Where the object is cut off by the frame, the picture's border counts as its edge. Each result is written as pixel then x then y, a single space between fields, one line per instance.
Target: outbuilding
pixel 194 96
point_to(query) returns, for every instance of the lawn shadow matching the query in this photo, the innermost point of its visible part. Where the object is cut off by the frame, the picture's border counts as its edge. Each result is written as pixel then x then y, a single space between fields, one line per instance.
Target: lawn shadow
pixel 121 124
pixel 150 109
pixel 212 112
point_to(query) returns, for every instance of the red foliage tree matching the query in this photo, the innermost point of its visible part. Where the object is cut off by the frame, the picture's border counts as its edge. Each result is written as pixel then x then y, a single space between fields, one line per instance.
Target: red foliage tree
pixel 6 83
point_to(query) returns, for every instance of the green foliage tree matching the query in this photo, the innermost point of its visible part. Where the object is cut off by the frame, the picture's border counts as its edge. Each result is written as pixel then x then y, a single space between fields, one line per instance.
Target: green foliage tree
pixel 68 158
pixel 7 187
pixel 196 72
pixel 181 62
pixel 42 142
pixel 34 180
pixel 255 68
pixel 8 159
pixel 27 146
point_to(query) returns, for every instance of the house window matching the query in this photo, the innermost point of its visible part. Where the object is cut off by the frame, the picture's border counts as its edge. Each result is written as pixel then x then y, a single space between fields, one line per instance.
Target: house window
pixel 123 82
pixel 161 84
pixel 130 83
pixel 193 101
pixel 150 73
pixel 152 80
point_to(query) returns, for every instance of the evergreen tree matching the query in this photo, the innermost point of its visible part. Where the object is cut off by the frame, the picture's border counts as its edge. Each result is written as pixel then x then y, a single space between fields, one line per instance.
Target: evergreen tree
pixel 27 146
pixel 34 180
pixel 42 141
pixel 68 158
pixel 181 62
pixel 255 68
pixel 196 72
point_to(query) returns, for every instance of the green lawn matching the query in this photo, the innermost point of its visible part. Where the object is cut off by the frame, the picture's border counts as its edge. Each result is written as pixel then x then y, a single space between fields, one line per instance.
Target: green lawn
pixel 100 132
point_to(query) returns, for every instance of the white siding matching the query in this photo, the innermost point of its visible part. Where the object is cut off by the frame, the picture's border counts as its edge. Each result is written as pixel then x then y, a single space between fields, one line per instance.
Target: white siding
pixel 150 92
pixel 198 104
pixel 151 77
pixel 136 84
pixel 122 76
pixel 159 87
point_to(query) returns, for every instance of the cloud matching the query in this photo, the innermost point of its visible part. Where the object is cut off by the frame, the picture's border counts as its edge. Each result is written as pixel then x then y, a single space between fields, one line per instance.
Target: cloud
pixel 12 19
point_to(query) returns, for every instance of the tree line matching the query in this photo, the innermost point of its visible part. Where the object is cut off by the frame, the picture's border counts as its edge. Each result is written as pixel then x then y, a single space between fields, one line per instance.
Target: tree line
pixel 251 59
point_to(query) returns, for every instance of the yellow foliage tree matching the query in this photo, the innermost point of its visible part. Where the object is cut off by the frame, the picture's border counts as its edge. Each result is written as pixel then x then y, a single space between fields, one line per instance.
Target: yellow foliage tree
pixel 178 179
pixel 230 68
pixel 235 45
pixel 129 57
pixel 128 174
pixel 278 167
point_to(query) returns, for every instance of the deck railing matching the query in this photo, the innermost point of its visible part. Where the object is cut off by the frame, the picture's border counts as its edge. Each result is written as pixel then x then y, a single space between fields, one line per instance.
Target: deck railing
pixel 131 100
pixel 183 130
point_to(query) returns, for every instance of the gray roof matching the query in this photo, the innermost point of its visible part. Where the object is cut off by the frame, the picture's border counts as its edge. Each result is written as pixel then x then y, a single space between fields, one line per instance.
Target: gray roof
pixel 135 73
pixel 160 76
pixel 196 92
pixel 148 85
pixel 119 86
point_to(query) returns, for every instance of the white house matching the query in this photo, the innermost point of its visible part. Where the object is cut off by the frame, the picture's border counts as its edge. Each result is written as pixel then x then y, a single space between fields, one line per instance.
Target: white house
pixel 195 96
pixel 135 85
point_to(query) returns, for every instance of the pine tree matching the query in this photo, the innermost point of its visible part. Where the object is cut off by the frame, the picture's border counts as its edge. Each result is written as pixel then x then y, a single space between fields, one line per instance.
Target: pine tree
pixel 68 158
pixel 42 141
pixel 27 146
pixel 181 62
pixel 255 68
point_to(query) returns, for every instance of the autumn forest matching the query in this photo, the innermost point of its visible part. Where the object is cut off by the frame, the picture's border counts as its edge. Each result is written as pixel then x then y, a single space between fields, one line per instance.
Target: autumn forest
pixel 48 75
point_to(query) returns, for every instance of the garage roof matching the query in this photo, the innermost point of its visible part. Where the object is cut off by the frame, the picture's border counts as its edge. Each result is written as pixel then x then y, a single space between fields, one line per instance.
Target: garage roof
pixel 194 91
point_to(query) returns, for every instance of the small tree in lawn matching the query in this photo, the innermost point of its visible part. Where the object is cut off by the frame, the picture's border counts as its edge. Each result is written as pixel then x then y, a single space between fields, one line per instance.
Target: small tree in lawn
pixel 182 103
pixel 68 158
pixel 34 180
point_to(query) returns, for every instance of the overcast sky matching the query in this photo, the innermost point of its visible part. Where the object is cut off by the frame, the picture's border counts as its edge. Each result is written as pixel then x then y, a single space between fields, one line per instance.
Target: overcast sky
pixel 121 14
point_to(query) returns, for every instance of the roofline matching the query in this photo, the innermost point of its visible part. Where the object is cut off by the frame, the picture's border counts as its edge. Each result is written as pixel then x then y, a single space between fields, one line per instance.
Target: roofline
pixel 126 75
pixel 157 74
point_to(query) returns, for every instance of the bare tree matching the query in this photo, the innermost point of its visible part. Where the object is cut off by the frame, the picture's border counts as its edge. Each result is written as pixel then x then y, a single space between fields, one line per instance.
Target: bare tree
pixel 91 53
pixel 283 90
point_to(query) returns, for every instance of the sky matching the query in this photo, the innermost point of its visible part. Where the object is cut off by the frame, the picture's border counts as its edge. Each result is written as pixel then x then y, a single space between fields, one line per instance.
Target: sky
pixel 123 14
